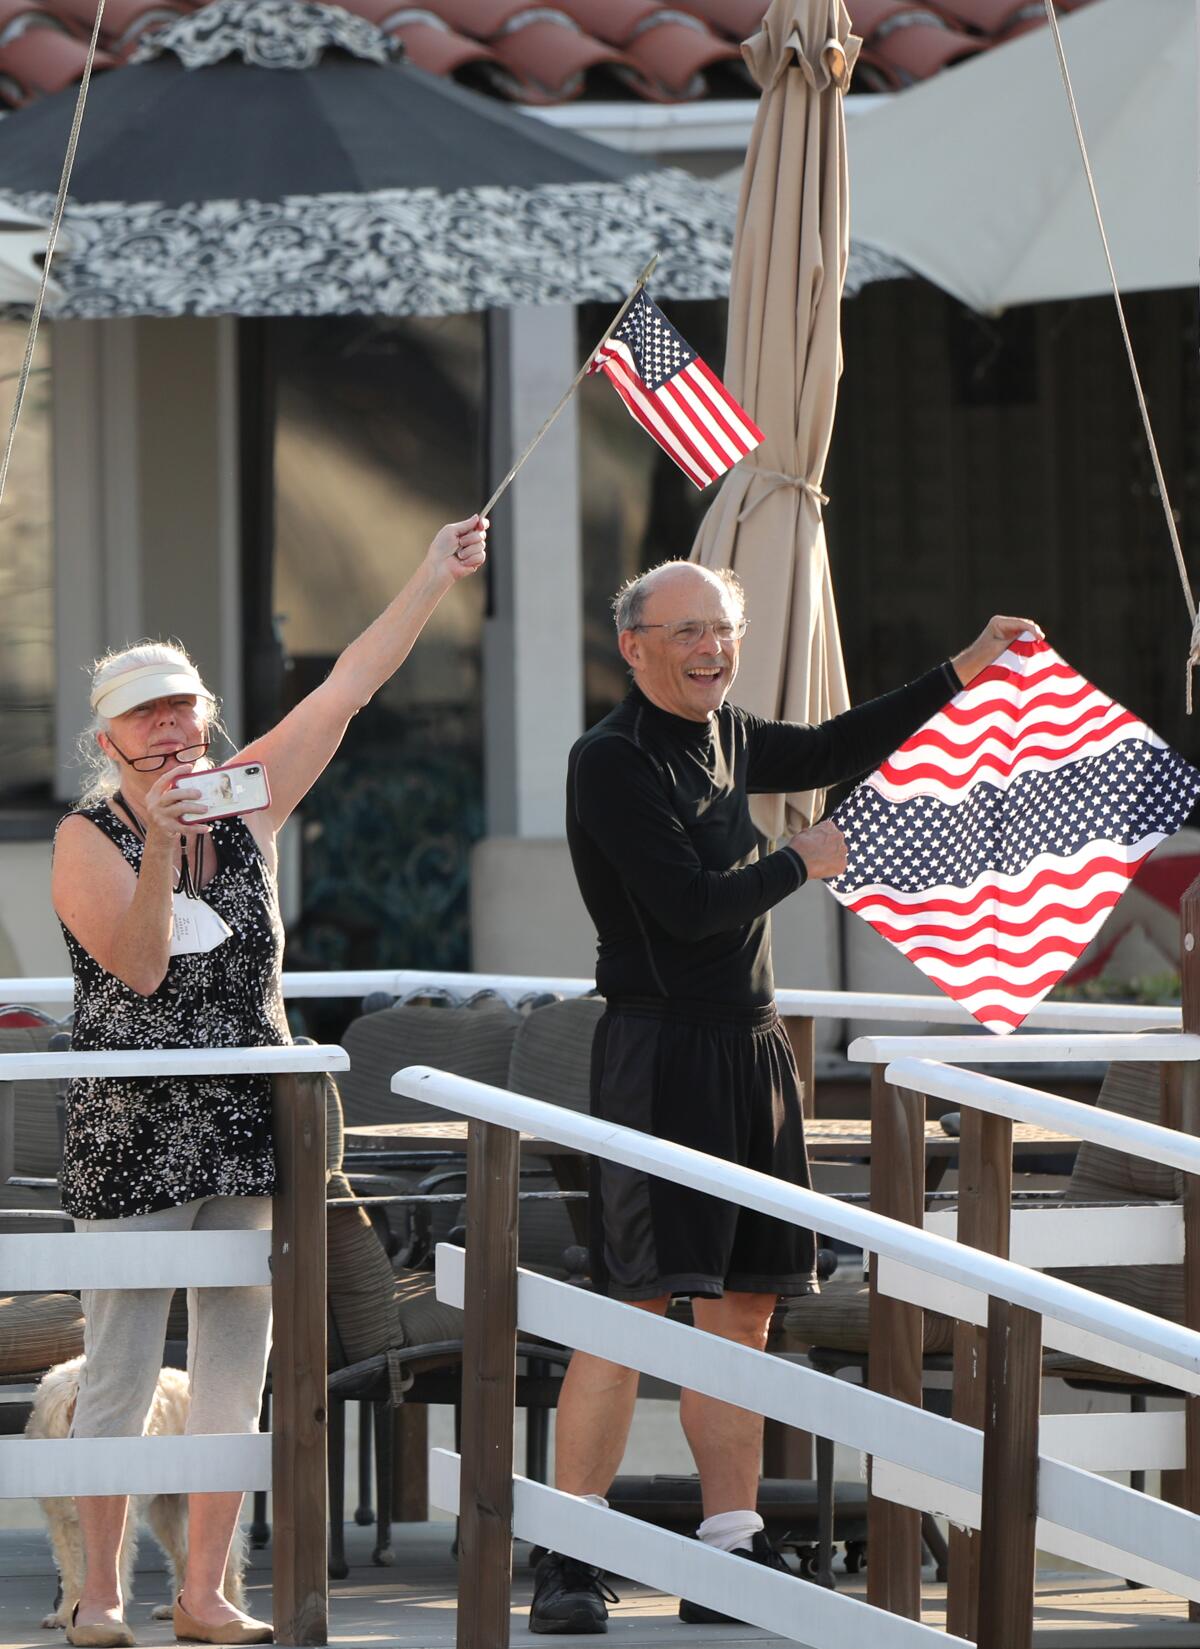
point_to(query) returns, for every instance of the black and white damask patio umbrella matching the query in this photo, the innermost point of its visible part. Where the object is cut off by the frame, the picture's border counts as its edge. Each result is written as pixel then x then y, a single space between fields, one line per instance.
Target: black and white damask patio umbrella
pixel 273 157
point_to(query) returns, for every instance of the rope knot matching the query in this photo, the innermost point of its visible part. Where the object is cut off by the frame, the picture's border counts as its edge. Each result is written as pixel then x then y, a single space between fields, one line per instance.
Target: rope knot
pixel 775 479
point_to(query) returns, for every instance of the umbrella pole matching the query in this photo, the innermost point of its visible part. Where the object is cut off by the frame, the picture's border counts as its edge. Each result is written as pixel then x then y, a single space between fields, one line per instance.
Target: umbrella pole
pixel 572 387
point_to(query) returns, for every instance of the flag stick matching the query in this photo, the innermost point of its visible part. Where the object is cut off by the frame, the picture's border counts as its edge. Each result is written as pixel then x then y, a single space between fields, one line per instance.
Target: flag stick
pixel 571 388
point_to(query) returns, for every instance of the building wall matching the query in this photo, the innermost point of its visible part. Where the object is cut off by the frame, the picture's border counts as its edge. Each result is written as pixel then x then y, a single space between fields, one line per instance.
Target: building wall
pixel 30 941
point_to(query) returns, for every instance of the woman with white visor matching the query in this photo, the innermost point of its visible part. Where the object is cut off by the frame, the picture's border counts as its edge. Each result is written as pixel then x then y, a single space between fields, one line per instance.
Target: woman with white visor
pixel 175 942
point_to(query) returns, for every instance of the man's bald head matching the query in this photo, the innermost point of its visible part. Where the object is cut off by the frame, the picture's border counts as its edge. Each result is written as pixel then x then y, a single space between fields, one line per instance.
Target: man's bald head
pixel 673 579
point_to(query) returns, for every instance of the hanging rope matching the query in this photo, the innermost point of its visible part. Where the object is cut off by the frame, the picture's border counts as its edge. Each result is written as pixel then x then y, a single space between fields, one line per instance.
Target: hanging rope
pixel 1172 526
pixel 51 243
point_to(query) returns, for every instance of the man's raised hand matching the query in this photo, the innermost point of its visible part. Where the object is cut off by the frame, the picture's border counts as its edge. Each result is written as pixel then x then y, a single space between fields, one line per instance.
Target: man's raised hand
pixel 987 648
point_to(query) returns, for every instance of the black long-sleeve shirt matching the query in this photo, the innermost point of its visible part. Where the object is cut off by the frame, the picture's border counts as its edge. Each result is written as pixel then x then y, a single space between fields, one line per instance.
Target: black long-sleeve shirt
pixel 665 851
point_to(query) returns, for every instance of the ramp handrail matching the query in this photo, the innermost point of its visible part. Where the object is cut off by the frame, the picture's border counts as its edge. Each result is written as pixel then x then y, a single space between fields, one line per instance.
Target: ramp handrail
pixel 1074 1507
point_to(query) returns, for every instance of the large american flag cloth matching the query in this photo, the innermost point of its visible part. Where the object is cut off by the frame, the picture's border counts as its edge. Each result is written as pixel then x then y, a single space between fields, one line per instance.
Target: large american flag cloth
pixel 993 844
pixel 673 395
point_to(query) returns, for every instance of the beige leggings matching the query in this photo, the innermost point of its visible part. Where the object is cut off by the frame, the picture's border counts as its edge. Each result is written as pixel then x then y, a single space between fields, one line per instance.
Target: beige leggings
pixel 229 1331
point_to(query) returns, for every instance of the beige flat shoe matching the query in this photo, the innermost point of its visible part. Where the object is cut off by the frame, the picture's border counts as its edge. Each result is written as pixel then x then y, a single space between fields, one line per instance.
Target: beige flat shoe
pixel 100 1636
pixel 190 1630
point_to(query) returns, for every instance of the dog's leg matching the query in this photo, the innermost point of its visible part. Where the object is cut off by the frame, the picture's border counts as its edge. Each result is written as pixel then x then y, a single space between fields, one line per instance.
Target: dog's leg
pixel 167 1517
pixel 66 1543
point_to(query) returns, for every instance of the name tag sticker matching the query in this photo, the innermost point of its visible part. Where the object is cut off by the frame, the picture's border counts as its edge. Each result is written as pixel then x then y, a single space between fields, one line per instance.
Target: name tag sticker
pixel 195 926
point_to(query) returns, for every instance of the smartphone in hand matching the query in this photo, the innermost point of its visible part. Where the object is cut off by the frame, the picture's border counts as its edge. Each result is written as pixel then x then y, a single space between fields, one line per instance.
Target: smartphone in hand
pixel 226 791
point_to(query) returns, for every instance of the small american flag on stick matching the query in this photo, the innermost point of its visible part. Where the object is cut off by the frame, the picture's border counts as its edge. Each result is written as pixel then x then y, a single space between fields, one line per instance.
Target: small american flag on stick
pixel 674 396
pixel 992 845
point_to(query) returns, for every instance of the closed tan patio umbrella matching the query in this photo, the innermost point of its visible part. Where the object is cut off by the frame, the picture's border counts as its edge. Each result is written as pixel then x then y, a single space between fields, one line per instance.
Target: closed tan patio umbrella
pixel 783 360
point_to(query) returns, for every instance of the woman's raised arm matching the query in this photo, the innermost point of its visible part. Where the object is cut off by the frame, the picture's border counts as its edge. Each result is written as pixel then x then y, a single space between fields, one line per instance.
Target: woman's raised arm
pixel 297 751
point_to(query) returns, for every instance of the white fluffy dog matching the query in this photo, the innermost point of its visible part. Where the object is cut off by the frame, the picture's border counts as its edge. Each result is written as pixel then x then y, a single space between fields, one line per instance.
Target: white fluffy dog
pixel 53 1410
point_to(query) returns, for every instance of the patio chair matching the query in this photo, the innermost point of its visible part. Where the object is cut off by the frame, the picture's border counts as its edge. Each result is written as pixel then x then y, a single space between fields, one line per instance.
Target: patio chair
pixel 392 1344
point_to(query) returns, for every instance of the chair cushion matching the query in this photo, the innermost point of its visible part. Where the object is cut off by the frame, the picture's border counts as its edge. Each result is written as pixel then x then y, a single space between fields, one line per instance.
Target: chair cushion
pixel 37 1331
pixel 1104 1175
pixel 360 1285
pixel 839 1316
pixel 552 1053
pixel 36 1146
pixel 471 1042
pixel 425 1320
pixel 335 1128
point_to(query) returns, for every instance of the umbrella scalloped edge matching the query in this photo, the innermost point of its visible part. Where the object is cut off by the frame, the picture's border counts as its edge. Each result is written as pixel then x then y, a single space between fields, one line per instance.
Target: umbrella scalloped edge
pixel 400 252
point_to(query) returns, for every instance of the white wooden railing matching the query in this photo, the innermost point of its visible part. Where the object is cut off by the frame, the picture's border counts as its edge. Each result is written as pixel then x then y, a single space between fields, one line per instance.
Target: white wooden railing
pixel 815 1004
pixel 1078 1514
pixel 290 1258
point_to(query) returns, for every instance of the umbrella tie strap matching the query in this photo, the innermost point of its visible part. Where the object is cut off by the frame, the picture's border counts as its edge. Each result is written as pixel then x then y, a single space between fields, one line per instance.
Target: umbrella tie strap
pixel 775 479
pixel 1143 408
pixel 51 242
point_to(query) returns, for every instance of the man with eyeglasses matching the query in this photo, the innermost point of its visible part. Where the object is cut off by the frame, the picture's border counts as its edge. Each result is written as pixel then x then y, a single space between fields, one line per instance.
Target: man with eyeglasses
pixel 690 1048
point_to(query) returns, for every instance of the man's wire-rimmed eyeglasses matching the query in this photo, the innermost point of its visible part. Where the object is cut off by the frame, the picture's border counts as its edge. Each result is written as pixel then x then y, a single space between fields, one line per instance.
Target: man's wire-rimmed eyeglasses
pixel 151 764
pixel 688 631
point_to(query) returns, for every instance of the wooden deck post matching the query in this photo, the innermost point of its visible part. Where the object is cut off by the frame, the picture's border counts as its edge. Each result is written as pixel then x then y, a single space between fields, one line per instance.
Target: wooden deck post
pixel 788 1451
pixel 801 1033
pixel 489 1387
pixel 1189 1123
pixel 895 1337
pixel 1008 1534
pixel 298 1364
pixel 984 1206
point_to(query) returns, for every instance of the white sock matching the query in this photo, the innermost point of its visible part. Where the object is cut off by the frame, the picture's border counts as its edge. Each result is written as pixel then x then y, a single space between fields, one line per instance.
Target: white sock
pixel 595 1500
pixel 731 1531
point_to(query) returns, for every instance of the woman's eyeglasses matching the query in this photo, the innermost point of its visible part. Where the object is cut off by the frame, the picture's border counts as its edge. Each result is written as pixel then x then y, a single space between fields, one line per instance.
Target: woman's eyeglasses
pixel 151 764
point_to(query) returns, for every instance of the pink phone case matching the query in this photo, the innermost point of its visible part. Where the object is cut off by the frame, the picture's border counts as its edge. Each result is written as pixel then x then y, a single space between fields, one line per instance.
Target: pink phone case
pixel 234 811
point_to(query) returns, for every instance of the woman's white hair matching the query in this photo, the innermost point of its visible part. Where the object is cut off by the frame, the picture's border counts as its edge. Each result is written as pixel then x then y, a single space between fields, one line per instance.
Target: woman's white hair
pixel 101 775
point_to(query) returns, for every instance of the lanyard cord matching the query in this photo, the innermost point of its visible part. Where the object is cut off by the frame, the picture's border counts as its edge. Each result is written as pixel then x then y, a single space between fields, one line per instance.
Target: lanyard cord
pixel 51 242
pixel 189 882
pixel 1143 408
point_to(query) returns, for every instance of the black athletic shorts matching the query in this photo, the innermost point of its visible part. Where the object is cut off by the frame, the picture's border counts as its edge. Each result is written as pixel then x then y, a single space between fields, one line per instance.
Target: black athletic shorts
pixel 722 1080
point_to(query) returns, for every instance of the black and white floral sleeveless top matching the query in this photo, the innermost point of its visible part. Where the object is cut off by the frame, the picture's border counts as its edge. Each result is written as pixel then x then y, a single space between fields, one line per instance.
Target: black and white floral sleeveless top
pixel 134 1145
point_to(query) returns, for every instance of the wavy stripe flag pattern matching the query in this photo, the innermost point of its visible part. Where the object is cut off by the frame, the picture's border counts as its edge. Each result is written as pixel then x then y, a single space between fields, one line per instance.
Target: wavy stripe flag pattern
pixel 992 845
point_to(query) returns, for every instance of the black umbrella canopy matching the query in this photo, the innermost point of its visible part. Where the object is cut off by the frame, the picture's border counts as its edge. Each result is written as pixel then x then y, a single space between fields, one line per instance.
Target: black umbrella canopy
pixel 162 132
pixel 272 157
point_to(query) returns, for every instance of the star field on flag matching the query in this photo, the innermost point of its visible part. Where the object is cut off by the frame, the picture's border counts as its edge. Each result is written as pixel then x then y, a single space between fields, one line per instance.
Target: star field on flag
pixel 992 845
pixel 674 396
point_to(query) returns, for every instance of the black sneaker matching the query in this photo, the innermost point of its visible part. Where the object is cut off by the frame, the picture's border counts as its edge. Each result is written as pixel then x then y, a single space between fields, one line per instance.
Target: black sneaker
pixel 696 1614
pixel 569 1596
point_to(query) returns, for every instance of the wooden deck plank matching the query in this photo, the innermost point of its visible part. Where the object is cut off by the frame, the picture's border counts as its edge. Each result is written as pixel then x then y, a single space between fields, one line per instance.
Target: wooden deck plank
pixel 412 1606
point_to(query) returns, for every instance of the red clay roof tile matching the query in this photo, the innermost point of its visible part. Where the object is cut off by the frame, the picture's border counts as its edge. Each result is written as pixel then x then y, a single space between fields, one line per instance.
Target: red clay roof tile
pixel 736 20
pixel 612 21
pixel 549 57
pixel 18 15
pixel 673 55
pixel 429 43
pixel 918 49
pixel 45 60
pixel 663 50
pixel 123 19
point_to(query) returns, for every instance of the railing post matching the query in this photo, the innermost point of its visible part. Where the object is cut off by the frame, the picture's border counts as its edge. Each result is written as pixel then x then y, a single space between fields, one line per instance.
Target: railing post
pixel 1189 1123
pixel 788 1451
pixel 298 1364
pixel 801 1033
pixel 984 1211
pixel 489 1388
pixel 895 1343
pixel 1008 1530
